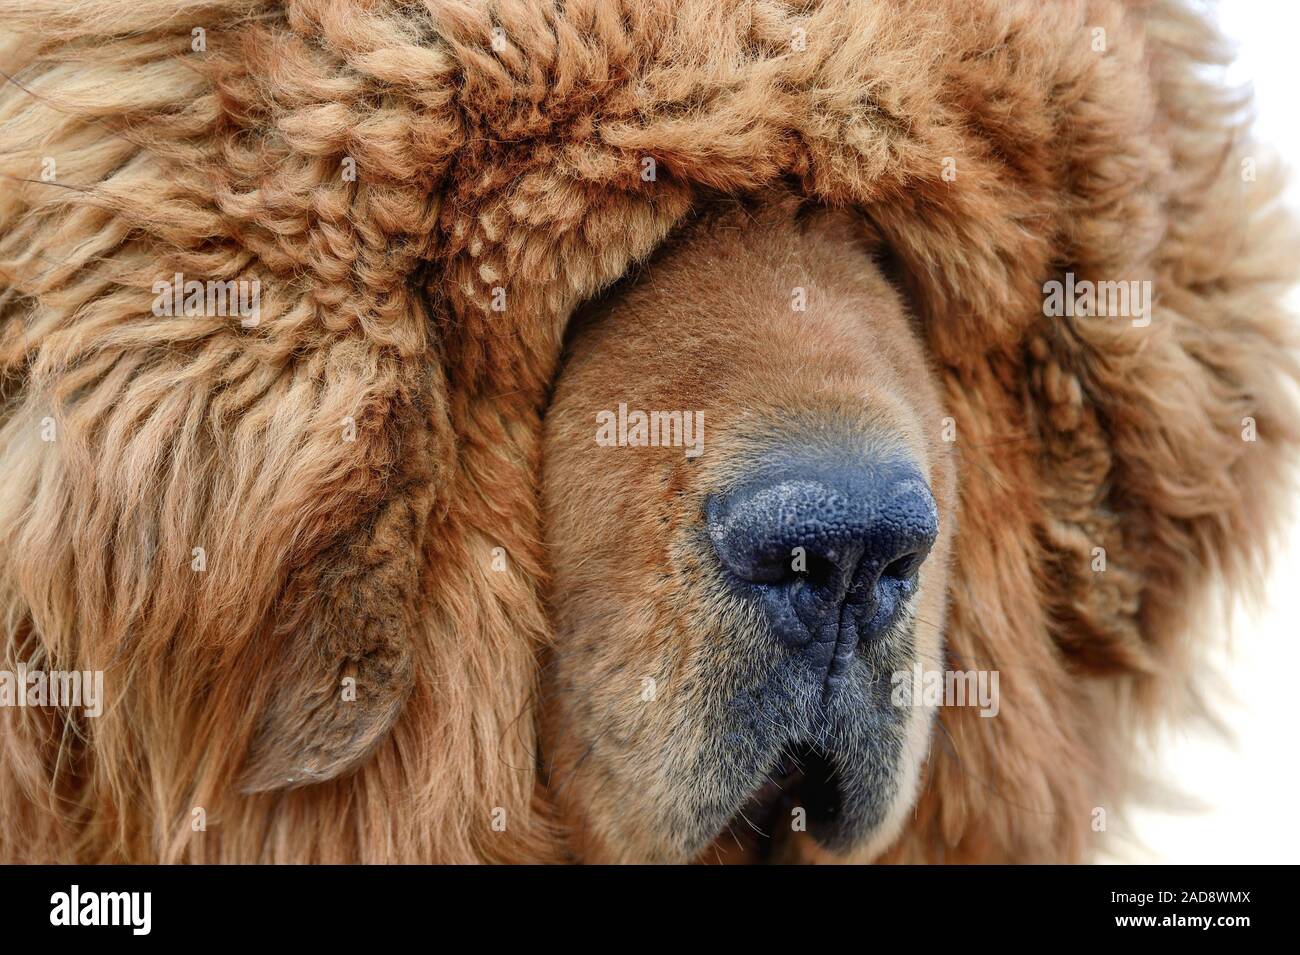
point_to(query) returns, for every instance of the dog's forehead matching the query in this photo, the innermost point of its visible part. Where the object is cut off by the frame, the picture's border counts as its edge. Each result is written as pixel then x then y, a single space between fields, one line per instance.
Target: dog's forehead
pixel 776 254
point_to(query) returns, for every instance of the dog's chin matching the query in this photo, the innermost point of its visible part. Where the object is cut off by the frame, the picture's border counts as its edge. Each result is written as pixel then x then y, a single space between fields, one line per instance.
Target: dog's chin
pixel 805 809
pixel 795 766
pixel 800 802
pixel 831 779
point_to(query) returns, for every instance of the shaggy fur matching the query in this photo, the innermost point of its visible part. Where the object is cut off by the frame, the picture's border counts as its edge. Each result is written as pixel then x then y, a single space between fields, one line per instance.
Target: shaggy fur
pixel 519 168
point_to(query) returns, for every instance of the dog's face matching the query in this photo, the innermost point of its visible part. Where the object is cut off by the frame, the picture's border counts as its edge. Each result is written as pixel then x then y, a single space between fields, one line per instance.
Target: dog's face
pixel 731 605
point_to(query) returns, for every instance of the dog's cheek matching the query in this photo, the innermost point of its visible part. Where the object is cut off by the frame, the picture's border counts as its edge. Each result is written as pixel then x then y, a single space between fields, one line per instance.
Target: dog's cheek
pixel 612 693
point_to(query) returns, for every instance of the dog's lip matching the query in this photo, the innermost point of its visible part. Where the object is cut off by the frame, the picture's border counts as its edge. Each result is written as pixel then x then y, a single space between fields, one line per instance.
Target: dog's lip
pixel 802 776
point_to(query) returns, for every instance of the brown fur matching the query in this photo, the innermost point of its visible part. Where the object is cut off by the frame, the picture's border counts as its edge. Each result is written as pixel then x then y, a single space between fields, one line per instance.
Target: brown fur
pixel 708 325
pixel 520 169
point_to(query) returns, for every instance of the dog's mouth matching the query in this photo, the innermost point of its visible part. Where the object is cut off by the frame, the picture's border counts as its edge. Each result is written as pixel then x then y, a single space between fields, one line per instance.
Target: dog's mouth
pixel 800 797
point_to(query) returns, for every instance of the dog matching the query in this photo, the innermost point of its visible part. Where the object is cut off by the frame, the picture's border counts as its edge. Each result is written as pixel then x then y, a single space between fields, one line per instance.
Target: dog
pixel 647 431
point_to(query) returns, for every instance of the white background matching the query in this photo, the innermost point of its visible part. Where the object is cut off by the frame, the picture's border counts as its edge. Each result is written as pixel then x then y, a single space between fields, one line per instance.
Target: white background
pixel 1247 786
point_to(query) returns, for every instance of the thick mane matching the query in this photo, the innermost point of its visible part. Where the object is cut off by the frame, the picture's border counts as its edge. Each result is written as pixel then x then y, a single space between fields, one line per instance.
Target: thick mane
pixel 239 517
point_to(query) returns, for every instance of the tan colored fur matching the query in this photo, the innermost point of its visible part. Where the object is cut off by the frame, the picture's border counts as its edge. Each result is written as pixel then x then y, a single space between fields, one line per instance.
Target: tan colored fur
pixel 709 326
pixel 520 168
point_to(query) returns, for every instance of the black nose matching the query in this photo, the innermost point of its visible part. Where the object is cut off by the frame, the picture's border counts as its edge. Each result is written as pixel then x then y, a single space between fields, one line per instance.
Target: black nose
pixel 830 547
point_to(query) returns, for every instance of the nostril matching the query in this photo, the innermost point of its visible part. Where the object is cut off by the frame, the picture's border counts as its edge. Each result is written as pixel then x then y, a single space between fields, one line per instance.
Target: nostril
pixel 819 572
pixel 905 567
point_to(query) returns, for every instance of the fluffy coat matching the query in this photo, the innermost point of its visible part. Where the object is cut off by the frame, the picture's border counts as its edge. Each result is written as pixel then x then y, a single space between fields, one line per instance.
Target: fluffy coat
pixel 389 172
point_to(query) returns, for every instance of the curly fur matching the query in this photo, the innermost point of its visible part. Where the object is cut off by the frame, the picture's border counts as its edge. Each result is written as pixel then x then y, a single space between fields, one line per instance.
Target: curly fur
pixel 519 168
